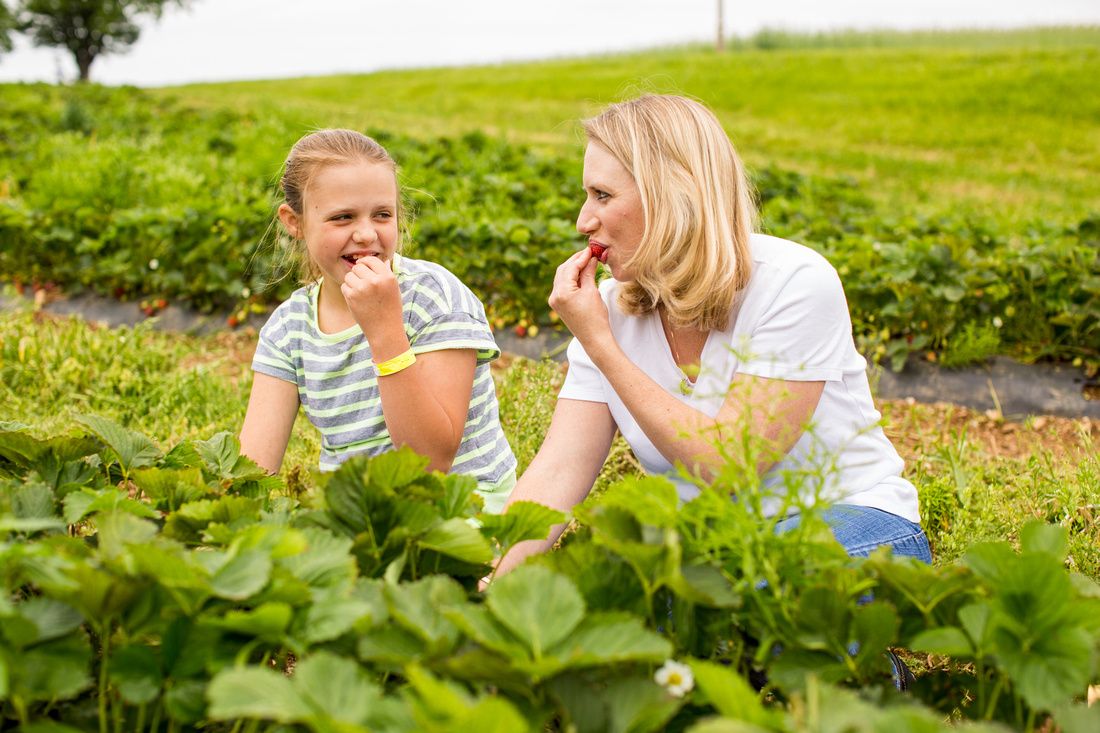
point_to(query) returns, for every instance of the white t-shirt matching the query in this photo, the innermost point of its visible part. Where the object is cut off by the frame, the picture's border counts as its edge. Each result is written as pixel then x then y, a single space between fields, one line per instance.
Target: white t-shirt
pixel 793 324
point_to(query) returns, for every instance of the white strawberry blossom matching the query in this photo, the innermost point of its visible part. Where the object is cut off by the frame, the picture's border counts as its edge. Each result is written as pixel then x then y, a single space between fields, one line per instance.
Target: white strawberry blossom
pixel 154 264
pixel 675 677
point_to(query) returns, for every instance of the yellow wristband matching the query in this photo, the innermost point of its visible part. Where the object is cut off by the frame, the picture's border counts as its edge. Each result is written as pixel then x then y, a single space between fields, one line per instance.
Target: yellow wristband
pixel 396 364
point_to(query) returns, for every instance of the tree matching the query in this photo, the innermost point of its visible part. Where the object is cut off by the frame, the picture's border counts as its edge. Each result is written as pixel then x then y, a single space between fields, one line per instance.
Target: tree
pixel 87 28
pixel 7 25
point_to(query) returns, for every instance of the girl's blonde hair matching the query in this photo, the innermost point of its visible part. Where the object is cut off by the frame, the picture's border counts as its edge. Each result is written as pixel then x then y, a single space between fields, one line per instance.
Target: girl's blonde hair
pixel 694 256
pixel 312 154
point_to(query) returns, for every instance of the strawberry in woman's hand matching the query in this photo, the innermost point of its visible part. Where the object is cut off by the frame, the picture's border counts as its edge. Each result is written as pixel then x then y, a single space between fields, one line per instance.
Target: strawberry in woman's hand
pixel 598 251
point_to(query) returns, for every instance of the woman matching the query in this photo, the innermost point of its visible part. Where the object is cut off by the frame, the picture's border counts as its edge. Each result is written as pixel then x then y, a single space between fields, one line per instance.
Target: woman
pixel 707 329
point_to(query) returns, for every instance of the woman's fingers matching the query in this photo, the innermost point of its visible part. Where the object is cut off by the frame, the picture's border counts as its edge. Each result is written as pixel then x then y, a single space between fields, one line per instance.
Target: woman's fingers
pixel 575 296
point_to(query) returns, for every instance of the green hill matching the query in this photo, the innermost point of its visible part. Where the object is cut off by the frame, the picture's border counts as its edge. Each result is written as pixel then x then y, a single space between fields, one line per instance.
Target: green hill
pixel 1004 124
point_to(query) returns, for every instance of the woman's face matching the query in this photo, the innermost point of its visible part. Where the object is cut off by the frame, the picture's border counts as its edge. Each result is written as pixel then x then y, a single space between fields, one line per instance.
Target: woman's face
pixel 612 215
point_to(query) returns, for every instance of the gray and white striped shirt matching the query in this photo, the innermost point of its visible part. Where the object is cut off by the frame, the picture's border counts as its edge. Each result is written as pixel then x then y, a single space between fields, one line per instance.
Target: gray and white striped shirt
pixel 338 385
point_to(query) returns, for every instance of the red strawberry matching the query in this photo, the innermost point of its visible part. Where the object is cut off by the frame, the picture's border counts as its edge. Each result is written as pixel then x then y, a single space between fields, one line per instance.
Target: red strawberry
pixel 162 303
pixel 598 251
pixel 521 331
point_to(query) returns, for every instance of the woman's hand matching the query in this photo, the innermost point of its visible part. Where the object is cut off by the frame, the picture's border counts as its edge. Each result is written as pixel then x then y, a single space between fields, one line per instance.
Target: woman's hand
pixel 374 298
pixel 576 297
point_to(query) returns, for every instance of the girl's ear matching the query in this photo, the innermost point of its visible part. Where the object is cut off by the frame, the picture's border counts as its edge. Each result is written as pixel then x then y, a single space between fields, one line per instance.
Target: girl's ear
pixel 290 220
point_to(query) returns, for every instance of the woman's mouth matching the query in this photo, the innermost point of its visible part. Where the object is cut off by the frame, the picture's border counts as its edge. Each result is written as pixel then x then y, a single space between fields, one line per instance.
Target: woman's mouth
pixel 599 251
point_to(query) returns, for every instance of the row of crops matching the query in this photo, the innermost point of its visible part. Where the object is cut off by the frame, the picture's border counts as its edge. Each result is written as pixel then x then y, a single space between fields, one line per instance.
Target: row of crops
pixel 137 197
pixel 183 589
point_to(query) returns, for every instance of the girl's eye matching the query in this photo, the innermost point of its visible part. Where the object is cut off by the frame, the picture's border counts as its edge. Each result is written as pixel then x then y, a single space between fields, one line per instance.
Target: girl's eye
pixel 602 195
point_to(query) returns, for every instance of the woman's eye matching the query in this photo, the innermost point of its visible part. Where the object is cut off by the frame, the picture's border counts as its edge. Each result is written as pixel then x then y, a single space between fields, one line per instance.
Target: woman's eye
pixel 602 194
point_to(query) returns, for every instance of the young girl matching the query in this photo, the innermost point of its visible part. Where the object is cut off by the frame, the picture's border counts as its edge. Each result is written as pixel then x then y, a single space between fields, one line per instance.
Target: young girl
pixel 380 350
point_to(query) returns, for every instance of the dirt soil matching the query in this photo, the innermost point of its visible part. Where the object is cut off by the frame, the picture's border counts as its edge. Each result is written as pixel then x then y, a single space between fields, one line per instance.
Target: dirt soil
pixel 915 428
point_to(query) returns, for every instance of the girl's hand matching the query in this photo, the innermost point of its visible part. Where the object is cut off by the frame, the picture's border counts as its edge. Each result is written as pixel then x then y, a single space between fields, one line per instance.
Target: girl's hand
pixel 576 297
pixel 373 297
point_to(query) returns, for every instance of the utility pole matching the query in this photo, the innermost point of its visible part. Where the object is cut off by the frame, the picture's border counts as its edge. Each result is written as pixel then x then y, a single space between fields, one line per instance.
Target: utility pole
pixel 720 46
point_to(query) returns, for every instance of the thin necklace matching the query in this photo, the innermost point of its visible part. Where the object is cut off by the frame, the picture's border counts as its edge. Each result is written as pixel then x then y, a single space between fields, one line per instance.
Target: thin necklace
pixel 686 386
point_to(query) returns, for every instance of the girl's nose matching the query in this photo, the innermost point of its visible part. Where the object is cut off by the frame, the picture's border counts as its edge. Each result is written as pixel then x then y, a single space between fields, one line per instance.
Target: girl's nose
pixel 364 233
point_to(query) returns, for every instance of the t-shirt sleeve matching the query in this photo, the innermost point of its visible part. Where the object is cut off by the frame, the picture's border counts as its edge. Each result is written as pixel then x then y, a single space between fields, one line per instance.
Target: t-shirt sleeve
pixel 273 350
pixel 447 315
pixel 803 329
pixel 583 381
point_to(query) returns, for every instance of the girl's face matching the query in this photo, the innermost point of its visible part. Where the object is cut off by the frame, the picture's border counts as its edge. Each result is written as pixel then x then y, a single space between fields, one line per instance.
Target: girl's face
pixel 349 211
pixel 612 215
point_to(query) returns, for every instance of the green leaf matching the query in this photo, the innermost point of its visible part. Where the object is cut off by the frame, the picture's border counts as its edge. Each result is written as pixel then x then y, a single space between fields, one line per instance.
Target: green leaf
pixel 639 705
pixel 256 692
pixel 947 640
pixel 119 531
pixel 1070 718
pixel 524 520
pixel 32 500
pixel 650 500
pixel 1045 538
pixel 133 450
pixel 730 694
pixel 394 646
pixel 222 457
pixel 874 627
pixel 456 492
pixel 337 689
pixel 242 576
pixel 1049 668
pixel 536 604
pixel 479 624
pixel 455 538
pixel 100 595
pixel 55 670
pixel 582 703
pixel 329 618
pixel 416 606
pixel 269 620
pixel 136 672
pixel 186 702
pixel 51 619
pixel 396 469
pixel 20 448
pixel 975 620
pixel 327 561
pixel 607 638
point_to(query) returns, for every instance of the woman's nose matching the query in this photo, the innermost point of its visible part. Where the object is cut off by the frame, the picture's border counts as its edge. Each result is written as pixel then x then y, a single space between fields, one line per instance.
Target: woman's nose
pixel 586 222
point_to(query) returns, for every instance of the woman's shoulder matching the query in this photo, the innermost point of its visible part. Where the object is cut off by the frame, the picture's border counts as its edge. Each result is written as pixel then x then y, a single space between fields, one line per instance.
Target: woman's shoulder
pixel 775 251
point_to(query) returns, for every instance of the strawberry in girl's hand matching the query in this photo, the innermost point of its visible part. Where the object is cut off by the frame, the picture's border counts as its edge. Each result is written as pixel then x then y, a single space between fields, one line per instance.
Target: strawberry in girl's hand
pixel 598 251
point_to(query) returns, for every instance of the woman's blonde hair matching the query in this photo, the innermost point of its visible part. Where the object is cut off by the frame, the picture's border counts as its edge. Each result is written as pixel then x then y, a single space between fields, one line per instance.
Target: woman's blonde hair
pixel 694 256
pixel 312 154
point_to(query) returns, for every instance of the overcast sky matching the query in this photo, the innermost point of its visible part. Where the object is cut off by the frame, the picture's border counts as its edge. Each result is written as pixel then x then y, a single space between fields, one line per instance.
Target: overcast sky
pixel 222 40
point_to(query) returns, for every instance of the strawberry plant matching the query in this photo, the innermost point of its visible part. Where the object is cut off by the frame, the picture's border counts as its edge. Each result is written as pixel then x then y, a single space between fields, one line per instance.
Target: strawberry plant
pixel 152 589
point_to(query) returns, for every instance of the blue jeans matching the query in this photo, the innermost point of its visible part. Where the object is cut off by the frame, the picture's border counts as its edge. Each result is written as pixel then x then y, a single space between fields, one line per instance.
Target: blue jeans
pixel 860 530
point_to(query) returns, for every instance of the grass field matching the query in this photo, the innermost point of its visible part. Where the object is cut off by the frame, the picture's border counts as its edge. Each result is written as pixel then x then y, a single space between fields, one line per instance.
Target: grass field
pixel 997 124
